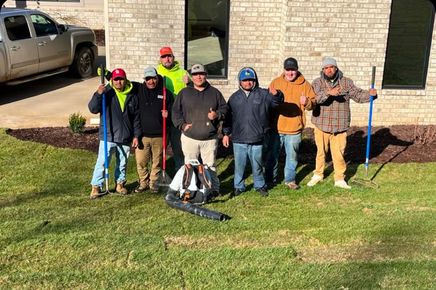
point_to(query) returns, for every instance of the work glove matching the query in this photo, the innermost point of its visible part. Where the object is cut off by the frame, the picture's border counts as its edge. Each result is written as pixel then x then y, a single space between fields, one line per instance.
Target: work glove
pixel 107 73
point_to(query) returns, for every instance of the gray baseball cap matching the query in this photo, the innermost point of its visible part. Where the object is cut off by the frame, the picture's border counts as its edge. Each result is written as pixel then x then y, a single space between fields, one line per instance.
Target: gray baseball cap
pixel 198 68
pixel 150 71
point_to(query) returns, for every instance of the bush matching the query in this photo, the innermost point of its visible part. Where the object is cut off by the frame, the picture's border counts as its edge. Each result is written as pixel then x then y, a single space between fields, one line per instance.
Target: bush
pixel 77 123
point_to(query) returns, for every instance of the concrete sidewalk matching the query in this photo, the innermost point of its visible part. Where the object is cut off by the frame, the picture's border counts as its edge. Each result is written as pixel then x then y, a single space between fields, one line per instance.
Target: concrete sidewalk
pixel 47 102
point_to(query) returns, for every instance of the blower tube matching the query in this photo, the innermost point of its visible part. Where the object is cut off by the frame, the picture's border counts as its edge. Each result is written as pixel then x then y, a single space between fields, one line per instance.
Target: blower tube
pixel 174 201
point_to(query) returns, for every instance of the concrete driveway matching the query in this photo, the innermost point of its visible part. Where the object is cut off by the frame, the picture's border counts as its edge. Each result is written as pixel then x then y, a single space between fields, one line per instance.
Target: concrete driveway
pixel 47 102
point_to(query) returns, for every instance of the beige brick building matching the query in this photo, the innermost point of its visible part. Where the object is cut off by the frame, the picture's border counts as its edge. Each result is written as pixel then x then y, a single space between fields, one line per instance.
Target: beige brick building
pixel 262 33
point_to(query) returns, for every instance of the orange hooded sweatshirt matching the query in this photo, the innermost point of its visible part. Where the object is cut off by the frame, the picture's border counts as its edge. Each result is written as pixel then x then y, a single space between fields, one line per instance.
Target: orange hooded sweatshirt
pixel 291 115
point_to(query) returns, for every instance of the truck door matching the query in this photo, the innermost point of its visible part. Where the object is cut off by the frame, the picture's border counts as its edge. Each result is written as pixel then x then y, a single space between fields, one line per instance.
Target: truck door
pixel 21 47
pixel 53 47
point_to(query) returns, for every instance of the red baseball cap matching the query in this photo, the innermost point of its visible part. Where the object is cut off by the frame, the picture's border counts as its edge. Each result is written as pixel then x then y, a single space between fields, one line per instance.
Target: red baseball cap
pixel 166 50
pixel 118 73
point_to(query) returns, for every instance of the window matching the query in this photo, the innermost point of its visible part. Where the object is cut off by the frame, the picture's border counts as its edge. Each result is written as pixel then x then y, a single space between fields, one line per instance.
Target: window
pixel 409 42
pixel 16 27
pixel 207 35
pixel 43 26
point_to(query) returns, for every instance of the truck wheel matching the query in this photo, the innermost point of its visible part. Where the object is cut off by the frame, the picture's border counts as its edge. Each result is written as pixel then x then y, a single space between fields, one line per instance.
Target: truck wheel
pixel 83 63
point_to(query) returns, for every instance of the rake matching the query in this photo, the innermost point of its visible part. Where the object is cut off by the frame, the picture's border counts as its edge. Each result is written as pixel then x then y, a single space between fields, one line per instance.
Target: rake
pixel 368 182
pixel 164 179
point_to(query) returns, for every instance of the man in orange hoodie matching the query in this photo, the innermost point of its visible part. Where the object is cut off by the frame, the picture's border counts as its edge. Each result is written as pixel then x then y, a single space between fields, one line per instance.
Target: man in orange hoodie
pixel 288 122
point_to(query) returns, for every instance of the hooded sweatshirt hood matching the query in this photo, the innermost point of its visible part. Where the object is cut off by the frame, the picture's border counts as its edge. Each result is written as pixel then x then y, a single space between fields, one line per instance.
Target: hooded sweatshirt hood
pixel 122 95
pixel 248 73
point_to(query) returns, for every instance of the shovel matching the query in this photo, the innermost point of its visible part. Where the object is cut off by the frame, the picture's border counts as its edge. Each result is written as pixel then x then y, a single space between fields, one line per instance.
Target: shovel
pixel 368 181
pixel 164 180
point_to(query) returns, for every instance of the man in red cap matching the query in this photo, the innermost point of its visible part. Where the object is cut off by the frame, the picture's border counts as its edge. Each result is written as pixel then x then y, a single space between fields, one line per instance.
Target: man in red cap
pixel 176 78
pixel 123 128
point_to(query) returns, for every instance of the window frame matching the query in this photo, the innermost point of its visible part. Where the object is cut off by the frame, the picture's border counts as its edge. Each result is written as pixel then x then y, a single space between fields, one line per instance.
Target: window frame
pixel 426 56
pixel 226 48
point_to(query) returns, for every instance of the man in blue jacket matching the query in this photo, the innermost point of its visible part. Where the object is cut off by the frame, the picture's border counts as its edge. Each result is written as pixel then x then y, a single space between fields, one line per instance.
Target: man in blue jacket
pixel 122 125
pixel 247 122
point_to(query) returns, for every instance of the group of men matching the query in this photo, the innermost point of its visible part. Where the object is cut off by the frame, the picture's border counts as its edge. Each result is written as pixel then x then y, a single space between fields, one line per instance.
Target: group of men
pixel 257 121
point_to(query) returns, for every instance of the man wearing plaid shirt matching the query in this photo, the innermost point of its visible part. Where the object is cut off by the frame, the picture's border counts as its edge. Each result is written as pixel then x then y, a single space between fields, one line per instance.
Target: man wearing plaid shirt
pixel 331 118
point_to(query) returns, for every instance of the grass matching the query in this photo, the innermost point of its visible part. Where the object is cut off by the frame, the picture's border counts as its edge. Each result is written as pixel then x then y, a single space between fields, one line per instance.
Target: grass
pixel 52 236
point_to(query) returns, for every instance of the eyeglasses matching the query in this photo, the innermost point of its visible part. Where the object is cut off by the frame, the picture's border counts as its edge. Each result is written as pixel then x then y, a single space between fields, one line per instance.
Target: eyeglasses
pixel 166 55
pixel 118 79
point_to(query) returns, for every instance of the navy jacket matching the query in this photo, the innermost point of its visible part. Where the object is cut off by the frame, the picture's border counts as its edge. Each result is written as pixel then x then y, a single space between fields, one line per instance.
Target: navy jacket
pixel 121 126
pixel 150 108
pixel 248 116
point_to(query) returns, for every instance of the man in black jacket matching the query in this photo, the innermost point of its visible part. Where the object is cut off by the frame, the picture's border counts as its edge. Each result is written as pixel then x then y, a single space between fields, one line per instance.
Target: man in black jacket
pixel 150 97
pixel 122 126
pixel 197 111
pixel 248 122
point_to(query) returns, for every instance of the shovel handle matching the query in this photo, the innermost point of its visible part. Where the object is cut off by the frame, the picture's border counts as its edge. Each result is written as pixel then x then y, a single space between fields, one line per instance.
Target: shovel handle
pixel 373 77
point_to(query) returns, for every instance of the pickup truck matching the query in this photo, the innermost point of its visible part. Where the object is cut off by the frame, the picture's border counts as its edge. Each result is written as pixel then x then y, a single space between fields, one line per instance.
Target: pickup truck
pixel 33 45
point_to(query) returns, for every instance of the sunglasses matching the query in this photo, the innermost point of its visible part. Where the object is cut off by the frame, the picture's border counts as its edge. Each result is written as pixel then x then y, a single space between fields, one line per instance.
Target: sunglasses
pixel 150 78
pixel 118 79
pixel 197 74
pixel 166 55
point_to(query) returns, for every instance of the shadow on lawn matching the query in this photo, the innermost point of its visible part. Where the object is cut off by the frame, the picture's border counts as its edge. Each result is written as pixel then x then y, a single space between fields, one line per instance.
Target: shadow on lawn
pixel 370 266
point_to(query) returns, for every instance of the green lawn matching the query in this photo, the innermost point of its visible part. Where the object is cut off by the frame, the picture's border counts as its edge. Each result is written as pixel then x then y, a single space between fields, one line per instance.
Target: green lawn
pixel 53 236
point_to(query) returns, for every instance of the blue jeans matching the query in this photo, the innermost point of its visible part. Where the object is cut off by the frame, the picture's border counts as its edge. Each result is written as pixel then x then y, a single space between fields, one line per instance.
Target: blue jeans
pixel 275 143
pixel 253 152
pixel 122 153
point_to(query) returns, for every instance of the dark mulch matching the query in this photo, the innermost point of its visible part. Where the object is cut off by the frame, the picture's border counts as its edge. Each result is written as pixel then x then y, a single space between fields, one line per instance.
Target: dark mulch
pixel 400 144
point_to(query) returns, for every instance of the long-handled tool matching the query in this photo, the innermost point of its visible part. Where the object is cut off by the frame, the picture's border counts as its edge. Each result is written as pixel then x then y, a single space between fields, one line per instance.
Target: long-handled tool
pixel 367 181
pixel 106 161
pixel 164 180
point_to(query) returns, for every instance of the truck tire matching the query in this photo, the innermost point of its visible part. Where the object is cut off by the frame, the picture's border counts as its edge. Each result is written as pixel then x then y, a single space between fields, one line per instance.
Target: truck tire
pixel 83 64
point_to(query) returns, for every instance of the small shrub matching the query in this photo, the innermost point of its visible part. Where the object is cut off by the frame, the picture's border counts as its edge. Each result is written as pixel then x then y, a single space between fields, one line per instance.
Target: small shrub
pixel 425 134
pixel 77 123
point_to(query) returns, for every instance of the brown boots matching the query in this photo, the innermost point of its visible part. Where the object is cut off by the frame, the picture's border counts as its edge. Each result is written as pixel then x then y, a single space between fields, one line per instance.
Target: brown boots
pixel 121 189
pixel 95 192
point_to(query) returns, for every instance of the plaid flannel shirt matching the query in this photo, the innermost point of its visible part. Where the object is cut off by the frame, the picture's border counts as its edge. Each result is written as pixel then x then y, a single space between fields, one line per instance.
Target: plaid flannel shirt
pixel 332 113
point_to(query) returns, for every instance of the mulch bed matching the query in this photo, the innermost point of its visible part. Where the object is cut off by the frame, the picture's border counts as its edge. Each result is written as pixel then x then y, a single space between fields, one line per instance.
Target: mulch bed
pixel 401 144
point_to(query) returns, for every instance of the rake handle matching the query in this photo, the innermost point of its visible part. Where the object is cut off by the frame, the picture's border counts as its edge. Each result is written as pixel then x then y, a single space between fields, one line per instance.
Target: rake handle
pixel 368 138
pixel 164 129
pixel 106 163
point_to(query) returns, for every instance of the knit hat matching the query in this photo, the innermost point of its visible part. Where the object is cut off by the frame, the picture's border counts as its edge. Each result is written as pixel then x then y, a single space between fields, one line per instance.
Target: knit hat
pixel 150 72
pixel 118 73
pixel 247 74
pixel 198 68
pixel 290 63
pixel 166 50
pixel 329 61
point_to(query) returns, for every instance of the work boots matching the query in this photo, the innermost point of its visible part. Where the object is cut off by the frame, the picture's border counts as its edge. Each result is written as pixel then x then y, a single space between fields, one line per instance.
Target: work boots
pixel 121 189
pixel 95 192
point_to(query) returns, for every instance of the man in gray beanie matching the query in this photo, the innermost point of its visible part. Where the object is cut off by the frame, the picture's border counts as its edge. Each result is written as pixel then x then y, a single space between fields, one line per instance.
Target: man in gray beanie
pixel 331 118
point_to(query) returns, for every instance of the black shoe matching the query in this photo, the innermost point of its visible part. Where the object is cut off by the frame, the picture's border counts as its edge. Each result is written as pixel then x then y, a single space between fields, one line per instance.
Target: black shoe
pixel 263 191
pixel 236 192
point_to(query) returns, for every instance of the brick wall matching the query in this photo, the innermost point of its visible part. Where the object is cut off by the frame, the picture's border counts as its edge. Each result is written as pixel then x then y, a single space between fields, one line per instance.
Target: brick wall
pixel 264 32
pixel 139 28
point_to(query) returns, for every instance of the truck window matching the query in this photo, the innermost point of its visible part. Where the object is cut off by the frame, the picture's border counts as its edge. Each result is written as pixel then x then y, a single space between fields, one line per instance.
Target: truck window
pixel 16 27
pixel 43 25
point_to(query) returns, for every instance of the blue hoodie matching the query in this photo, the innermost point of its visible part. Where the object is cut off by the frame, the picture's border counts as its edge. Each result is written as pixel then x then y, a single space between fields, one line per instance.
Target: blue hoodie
pixel 248 115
